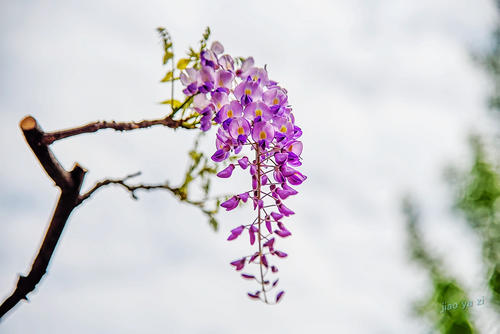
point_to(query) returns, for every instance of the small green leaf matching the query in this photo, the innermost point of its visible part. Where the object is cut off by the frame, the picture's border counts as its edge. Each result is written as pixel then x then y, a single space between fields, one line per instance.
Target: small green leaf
pixel 168 55
pixel 213 222
pixel 183 63
pixel 176 104
pixel 167 77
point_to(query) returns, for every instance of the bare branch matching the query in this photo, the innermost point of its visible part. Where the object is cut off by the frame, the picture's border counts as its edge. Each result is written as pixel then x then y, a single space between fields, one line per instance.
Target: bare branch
pixel 69 183
pixel 34 135
pixel 50 137
pixel 133 188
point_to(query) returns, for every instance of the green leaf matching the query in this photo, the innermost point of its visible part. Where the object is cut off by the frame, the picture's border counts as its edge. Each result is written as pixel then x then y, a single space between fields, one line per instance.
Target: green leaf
pixel 206 34
pixel 213 222
pixel 183 63
pixel 176 104
pixel 168 55
pixel 167 77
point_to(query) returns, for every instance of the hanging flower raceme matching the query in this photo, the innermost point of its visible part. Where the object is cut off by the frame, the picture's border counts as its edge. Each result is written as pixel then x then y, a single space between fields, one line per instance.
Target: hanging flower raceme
pixel 251 111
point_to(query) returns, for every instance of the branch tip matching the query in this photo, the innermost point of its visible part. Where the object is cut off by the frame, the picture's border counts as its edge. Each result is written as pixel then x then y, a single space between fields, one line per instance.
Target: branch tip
pixel 28 123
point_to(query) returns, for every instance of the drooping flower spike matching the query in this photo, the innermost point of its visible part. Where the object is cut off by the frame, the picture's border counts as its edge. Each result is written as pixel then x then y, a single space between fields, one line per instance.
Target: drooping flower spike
pixel 252 111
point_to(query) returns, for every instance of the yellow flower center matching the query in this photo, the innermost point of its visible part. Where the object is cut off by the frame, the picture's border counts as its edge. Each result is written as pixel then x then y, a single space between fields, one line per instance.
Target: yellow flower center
pixel 258 112
pixel 240 130
pixel 262 135
pixel 248 91
pixel 276 101
pixel 290 148
pixel 283 129
pixel 255 78
pixel 229 113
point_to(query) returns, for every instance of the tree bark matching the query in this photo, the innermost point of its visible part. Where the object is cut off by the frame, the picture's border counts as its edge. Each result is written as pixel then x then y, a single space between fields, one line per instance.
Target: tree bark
pixel 69 184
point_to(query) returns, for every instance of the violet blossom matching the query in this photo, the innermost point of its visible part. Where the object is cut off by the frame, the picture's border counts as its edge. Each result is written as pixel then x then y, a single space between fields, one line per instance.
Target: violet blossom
pixel 250 111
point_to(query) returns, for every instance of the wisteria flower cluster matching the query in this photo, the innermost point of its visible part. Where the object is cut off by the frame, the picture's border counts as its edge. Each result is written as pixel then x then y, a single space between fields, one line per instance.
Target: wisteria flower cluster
pixel 250 111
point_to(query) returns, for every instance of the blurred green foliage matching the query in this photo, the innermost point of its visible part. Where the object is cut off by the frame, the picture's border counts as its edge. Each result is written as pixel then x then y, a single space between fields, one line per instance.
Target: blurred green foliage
pixel 492 65
pixel 445 289
pixel 477 196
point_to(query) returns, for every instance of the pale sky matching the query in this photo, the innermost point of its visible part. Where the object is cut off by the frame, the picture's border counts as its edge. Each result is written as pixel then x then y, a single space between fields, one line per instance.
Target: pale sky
pixel 385 92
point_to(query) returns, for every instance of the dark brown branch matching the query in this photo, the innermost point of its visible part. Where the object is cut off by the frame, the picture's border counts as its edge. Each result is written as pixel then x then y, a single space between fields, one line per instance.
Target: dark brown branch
pixel 34 135
pixel 69 184
pixel 168 121
pixel 50 137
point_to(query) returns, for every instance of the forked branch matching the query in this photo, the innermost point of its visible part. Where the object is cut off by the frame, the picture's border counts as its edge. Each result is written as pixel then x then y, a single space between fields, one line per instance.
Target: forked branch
pixel 70 183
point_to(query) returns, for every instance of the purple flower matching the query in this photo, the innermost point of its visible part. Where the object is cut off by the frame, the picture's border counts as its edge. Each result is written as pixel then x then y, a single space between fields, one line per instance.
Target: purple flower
pixel 226 62
pixel 280 253
pixel 263 260
pixel 224 79
pixel 231 203
pixel 191 79
pixel 279 296
pixel 217 48
pixel 283 194
pixel 251 232
pixel 296 178
pixel 284 128
pixel 276 216
pixel 219 99
pixel 245 67
pixel 257 75
pixel 254 256
pixel 235 232
pixel 239 127
pixel 239 264
pixel 247 276
pixel 269 243
pixel 280 157
pixel 233 109
pixel 287 171
pixel 268 224
pixel 289 189
pixel 251 112
pixel 243 162
pixel 208 58
pixel 253 170
pixel 226 172
pixel 293 159
pixel 278 176
pixel 284 210
pixel 247 92
pixel 282 233
pixel 207 77
pixel 295 147
pixel 275 97
pixel 220 155
pixel 257 109
pixel 243 197
pixel 206 122
pixel 254 295
pixel 263 132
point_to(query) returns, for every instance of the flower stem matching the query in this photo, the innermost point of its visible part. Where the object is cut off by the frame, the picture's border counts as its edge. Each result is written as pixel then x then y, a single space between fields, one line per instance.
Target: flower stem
pixel 257 159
